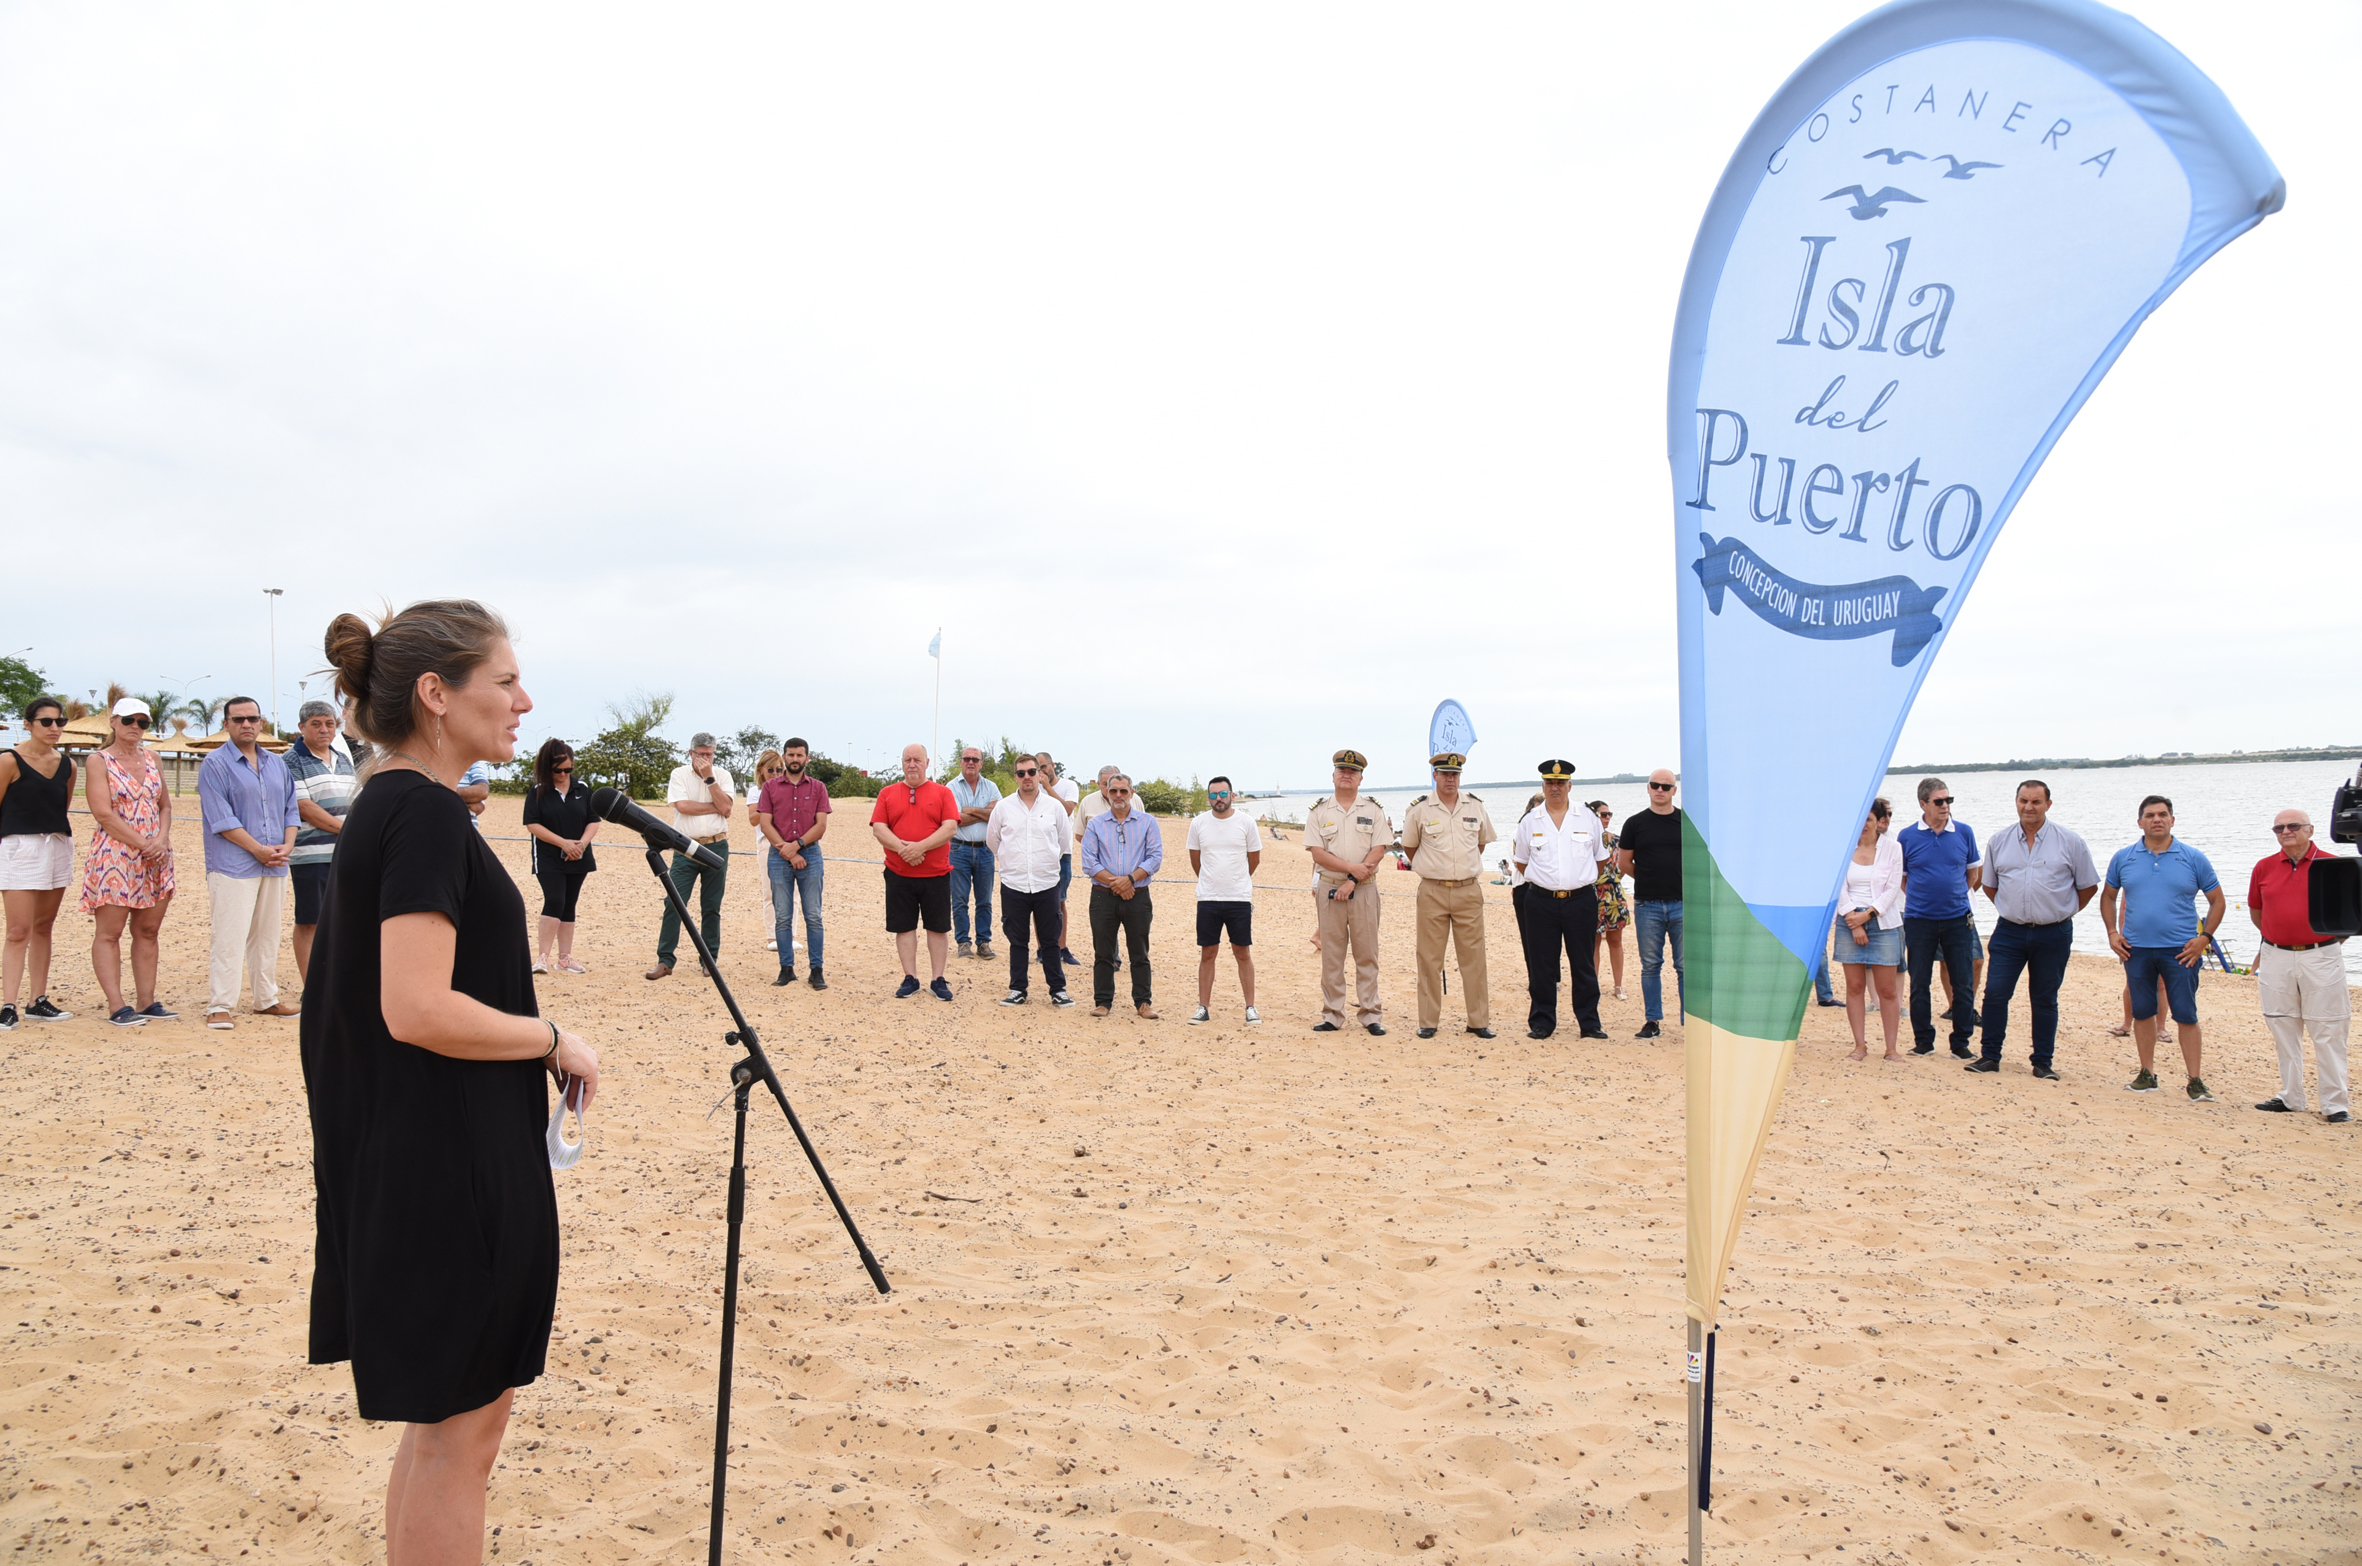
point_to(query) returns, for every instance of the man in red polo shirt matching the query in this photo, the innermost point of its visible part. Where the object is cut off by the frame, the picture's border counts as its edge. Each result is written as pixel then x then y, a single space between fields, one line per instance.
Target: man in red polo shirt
pixel 2300 972
pixel 913 821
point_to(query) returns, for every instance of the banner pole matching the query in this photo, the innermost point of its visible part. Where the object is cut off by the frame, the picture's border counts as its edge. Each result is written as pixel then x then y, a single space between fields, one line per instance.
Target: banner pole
pixel 1691 1380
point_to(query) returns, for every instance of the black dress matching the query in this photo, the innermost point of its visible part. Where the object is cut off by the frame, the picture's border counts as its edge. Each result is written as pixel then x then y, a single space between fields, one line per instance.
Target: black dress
pixel 437 1265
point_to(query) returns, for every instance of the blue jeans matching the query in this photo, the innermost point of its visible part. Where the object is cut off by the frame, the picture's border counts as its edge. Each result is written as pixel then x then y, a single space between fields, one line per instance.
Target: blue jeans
pixel 1652 925
pixel 971 867
pixel 2014 949
pixel 786 881
pixel 1821 988
pixel 1952 940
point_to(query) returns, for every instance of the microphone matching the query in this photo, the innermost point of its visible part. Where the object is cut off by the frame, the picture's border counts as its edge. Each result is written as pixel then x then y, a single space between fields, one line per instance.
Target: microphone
pixel 613 805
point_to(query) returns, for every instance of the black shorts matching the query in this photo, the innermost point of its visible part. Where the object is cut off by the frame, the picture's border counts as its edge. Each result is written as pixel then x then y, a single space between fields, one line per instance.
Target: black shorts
pixel 1237 918
pixel 311 889
pixel 910 898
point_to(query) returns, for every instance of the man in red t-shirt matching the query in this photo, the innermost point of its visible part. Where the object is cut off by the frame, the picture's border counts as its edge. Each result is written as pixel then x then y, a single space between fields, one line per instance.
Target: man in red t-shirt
pixel 913 821
pixel 2300 973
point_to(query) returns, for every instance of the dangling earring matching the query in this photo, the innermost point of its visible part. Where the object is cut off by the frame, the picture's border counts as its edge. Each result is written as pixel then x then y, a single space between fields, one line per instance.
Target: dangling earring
pixel 438 736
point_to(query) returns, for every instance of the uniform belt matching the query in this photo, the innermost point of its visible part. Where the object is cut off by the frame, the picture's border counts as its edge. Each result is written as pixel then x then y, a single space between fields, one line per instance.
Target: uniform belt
pixel 2316 946
pixel 1466 880
pixel 1554 892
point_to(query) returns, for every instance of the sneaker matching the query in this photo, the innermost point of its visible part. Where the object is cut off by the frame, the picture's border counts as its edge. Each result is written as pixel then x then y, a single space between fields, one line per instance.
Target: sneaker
pixel 1253 1015
pixel 1983 1067
pixel 1069 958
pixel 2142 1082
pixel 1649 1030
pixel 772 944
pixel 1061 998
pixel 125 1017
pixel 1963 1052
pixel 44 1009
pixel 967 949
pixel 818 982
pixel 2273 1106
pixel 2198 1092
pixel 1013 998
pixel 2045 1074
pixel 1923 1049
pixel 984 951
pixel 1201 1015
pixel 157 1011
pixel 910 987
pixel 1619 992
pixel 7 1019
pixel 940 989
pixel 219 1019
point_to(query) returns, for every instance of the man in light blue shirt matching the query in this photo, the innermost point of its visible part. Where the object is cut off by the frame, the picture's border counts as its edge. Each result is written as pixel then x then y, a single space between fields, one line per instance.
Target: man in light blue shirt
pixel 1121 850
pixel 971 856
pixel 247 798
pixel 2160 940
pixel 2038 875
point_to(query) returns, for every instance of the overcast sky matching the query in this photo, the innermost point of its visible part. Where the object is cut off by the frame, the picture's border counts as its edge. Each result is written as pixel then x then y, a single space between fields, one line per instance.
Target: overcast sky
pixel 1228 383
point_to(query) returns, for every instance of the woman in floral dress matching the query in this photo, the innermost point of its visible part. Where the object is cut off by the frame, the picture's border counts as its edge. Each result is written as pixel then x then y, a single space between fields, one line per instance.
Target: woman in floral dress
pixel 1614 912
pixel 127 876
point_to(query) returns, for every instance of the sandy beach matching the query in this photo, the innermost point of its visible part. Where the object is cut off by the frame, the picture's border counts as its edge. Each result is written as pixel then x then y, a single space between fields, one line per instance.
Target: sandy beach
pixel 1199 1294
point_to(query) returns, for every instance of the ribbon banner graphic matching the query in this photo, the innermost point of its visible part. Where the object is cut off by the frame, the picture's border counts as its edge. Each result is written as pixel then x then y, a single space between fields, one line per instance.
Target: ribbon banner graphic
pixel 1891 603
pixel 1930 247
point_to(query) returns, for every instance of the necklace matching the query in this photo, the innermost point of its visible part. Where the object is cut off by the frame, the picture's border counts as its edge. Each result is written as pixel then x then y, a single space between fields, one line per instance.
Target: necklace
pixel 421 766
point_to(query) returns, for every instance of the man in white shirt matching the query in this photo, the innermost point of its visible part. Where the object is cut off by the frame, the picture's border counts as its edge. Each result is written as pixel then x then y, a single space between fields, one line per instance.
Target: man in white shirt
pixel 1225 850
pixel 702 795
pixel 1028 836
pixel 1559 846
pixel 1065 792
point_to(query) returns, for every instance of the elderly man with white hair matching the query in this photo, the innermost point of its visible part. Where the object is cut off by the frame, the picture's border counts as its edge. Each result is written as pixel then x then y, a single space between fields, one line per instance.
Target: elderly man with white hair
pixel 2300 973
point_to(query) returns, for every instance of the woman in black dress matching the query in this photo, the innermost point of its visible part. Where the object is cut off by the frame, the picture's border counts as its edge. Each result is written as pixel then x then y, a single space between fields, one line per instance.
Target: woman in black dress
pixel 427 1065
pixel 558 816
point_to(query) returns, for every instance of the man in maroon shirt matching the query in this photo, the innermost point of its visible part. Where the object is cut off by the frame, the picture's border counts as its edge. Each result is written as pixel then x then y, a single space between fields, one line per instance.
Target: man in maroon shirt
pixel 2300 972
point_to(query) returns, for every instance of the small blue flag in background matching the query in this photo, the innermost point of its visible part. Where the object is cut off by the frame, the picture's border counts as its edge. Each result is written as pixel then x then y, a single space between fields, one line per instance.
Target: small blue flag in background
pixel 935 647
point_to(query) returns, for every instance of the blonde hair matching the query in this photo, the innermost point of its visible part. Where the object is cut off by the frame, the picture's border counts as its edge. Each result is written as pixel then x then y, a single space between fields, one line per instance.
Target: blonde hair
pixel 767 763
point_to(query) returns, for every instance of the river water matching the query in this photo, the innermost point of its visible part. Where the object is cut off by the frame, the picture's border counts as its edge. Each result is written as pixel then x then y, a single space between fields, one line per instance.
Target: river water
pixel 2224 810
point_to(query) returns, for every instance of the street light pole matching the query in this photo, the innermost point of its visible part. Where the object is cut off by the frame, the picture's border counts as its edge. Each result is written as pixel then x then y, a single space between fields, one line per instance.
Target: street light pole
pixel 272 593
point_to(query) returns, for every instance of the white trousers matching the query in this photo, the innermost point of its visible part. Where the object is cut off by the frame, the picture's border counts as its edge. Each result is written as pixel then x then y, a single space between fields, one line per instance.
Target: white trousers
pixel 2305 992
pixel 246 925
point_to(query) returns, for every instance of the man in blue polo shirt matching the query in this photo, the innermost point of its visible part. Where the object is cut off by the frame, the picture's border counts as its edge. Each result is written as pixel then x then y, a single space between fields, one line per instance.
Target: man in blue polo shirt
pixel 1941 866
pixel 2159 936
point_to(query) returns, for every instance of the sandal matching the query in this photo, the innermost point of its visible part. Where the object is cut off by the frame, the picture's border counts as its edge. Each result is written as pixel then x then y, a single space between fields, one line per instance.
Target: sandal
pixel 2120 1033
pixel 539 966
pixel 569 965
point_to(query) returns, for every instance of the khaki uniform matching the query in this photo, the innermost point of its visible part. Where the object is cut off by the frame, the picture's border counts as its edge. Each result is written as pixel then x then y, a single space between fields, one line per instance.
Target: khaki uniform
pixel 1448 845
pixel 1352 834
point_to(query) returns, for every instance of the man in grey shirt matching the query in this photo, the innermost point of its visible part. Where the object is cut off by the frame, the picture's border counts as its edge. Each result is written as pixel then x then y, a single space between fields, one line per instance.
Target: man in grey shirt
pixel 2039 876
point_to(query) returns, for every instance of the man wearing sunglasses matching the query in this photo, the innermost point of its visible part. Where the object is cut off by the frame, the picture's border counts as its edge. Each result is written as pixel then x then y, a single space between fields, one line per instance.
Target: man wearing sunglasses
pixel 1649 851
pixel 248 800
pixel 1025 838
pixel 1225 850
pixel 1941 866
pixel 2300 974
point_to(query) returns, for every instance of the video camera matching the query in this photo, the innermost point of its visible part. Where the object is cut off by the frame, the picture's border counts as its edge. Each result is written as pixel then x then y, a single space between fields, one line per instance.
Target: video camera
pixel 2334 889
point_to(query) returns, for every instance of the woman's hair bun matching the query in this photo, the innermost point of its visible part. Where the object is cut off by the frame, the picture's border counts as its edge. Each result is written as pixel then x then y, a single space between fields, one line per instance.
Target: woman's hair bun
pixel 351 648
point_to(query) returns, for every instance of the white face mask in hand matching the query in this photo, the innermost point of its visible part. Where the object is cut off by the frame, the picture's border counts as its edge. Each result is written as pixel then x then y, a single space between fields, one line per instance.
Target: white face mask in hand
pixel 562 1153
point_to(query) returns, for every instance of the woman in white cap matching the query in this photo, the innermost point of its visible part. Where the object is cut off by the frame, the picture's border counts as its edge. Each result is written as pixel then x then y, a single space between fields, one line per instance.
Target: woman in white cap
pixel 36 856
pixel 127 876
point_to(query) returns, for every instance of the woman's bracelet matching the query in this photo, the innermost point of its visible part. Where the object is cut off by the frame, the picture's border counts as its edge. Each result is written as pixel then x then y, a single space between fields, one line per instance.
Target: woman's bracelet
pixel 551 1053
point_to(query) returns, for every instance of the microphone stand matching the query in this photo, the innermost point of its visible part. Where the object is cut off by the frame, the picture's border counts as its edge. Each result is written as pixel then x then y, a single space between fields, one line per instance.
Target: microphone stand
pixel 754 1068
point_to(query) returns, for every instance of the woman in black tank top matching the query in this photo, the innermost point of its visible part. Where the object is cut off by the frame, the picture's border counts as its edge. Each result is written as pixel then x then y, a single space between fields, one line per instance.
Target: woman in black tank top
pixel 36 858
